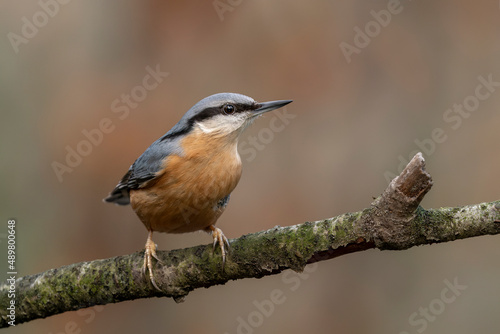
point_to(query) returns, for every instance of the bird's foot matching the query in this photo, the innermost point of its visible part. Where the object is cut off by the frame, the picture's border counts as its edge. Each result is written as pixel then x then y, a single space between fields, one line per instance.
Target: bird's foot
pixel 149 253
pixel 220 238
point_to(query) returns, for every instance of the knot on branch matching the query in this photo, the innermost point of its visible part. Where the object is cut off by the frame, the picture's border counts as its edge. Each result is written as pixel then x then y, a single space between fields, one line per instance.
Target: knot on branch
pixel 394 212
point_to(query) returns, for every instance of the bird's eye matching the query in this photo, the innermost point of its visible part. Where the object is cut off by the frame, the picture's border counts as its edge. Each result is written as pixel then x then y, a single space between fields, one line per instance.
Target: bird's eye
pixel 229 109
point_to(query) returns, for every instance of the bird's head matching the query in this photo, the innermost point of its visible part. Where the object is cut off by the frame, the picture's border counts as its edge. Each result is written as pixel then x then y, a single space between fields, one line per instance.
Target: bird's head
pixel 227 114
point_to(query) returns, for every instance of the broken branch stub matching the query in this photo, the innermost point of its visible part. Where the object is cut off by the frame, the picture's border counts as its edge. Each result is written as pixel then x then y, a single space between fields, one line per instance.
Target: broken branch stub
pixel 398 206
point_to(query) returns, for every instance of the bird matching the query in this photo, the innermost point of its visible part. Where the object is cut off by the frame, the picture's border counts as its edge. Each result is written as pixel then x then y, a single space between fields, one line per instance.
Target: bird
pixel 183 181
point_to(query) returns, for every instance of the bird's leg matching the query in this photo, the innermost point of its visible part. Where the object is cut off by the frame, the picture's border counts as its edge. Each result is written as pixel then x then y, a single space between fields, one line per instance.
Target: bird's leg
pixel 221 239
pixel 149 252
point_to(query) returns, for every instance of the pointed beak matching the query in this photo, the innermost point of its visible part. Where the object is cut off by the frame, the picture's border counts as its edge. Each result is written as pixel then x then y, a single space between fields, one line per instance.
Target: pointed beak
pixel 268 106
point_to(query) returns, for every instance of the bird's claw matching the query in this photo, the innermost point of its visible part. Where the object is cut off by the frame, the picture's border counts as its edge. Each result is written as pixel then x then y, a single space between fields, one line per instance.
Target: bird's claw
pixel 220 238
pixel 149 254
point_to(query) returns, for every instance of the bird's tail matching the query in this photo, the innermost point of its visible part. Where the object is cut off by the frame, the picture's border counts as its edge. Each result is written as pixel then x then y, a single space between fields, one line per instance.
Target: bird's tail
pixel 120 196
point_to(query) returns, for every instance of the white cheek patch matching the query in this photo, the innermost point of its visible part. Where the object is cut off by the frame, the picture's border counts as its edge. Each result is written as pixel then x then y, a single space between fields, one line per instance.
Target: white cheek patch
pixel 222 124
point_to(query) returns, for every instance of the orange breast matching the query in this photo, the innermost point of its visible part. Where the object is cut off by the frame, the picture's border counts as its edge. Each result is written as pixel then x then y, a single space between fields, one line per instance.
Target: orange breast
pixel 185 195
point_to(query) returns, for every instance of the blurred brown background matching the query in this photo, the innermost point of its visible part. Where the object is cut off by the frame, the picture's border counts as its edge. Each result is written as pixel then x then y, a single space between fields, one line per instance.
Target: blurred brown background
pixel 354 123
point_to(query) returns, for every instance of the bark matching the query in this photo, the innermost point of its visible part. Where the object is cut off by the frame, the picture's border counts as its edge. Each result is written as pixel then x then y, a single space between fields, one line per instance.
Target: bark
pixel 394 221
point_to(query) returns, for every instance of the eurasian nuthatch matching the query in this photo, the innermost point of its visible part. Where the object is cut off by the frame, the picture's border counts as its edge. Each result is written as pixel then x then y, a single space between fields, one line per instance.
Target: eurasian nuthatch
pixel 183 181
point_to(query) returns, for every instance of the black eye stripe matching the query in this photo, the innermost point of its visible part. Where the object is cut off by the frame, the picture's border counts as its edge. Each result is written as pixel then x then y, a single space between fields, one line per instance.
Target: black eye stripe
pixel 206 114
pixel 213 111
pixel 238 107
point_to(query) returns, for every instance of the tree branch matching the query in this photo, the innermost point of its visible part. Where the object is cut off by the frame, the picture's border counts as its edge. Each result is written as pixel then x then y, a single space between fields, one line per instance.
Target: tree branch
pixel 393 221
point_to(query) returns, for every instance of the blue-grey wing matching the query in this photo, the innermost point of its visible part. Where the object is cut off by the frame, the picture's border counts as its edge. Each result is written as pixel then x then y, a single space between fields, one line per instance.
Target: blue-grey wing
pixel 144 169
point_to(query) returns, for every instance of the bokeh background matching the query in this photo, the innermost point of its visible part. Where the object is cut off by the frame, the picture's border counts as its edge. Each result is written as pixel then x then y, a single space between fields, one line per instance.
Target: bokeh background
pixel 355 121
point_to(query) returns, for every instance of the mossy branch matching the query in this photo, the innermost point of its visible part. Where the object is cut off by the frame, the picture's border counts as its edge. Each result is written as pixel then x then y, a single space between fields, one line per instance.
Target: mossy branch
pixel 393 221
